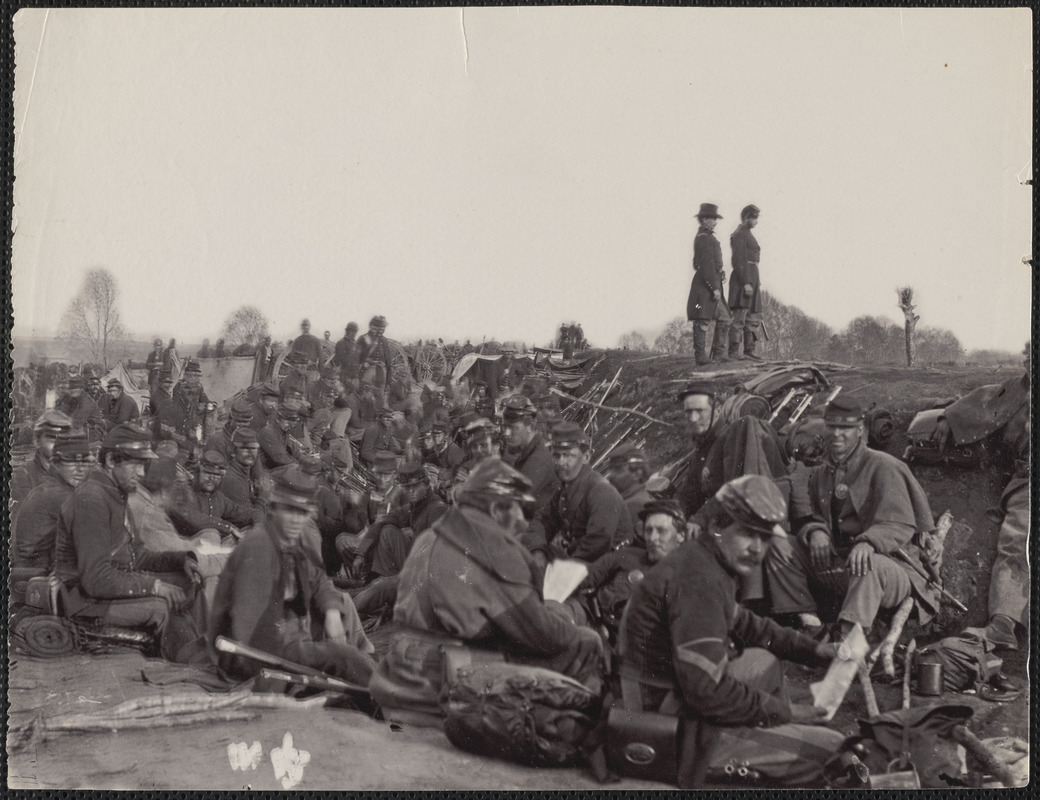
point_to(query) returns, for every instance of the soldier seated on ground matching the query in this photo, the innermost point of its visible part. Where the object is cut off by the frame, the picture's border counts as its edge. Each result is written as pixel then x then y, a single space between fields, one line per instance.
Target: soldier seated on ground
pixel 103 576
pixel 628 470
pixel 265 407
pixel 278 447
pixel 866 506
pixel 527 450
pixel 586 516
pixel 687 648
pixel 241 415
pixel 468 579
pixel 81 408
pixel 380 436
pixel 386 544
pixel 119 406
pixel 203 506
pixel 603 594
pixel 382 497
pixel 275 598
pixel 32 474
pixel 36 526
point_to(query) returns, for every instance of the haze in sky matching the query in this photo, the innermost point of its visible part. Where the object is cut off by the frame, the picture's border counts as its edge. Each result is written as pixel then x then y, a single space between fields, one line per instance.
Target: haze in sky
pixel 495 172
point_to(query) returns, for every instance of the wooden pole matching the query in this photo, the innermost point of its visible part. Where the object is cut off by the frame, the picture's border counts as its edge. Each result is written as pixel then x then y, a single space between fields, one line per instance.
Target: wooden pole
pixel 554 390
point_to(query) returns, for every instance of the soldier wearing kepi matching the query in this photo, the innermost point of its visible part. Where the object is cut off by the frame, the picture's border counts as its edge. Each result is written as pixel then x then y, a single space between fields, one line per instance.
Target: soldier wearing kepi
pixel 468 579
pixel 706 302
pixel 36 527
pixel 28 477
pixel 373 355
pixel 745 297
pixel 102 575
pixel 526 450
pixel 687 648
pixel 586 516
pixel 866 505
pixel 627 471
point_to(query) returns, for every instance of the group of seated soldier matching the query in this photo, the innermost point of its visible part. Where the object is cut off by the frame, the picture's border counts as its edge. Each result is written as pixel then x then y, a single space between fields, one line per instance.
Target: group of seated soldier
pixel 288 525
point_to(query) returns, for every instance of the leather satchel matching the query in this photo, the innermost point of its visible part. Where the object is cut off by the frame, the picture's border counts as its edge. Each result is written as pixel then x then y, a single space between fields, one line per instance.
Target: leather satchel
pixel 642 744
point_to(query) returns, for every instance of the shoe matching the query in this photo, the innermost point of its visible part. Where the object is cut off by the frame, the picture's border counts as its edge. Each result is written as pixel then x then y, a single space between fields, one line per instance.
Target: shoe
pixel 721 358
pixel 753 357
pixel 985 691
pixel 736 357
pixel 1000 632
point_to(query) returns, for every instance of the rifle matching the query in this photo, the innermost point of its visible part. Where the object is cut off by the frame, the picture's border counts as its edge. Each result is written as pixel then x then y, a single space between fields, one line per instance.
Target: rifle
pixel 230 646
pixel 905 557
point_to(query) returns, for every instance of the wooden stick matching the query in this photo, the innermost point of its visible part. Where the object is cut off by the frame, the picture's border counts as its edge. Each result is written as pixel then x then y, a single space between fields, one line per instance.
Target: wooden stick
pixel 86 723
pixel 888 645
pixel 868 691
pixel 554 390
pixel 908 662
pixel 977 748
pixel 600 405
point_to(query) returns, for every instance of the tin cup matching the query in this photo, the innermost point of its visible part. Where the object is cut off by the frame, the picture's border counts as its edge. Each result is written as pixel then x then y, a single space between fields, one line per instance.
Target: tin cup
pixel 930 679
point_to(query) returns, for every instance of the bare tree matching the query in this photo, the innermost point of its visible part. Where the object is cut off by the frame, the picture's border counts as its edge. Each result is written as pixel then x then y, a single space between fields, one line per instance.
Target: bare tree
pixel 633 341
pixel 91 323
pixel 906 304
pixel 245 326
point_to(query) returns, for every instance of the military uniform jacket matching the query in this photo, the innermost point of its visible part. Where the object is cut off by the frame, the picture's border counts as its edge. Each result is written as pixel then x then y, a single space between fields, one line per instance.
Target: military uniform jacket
pixel 121 409
pixel 744 269
pixel 420 517
pixel 615 574
pixel 195 510
pixel 374 348
pixel 25 479
pixel 707 276
pixel 883 505
pixel 681 627
pixel 587 514
pixel 346 357
pixel 466 578
pixel 274 447
pixel 535 463
pixel 36 528
pixel 242 486
pixel 250 605
pixel 84 413
pixel 94 554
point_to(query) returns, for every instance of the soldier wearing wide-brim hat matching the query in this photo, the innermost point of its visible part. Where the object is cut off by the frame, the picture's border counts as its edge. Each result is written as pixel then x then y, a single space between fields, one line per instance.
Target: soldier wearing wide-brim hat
pixel 745 295
pixel 706 303
pixel 271 592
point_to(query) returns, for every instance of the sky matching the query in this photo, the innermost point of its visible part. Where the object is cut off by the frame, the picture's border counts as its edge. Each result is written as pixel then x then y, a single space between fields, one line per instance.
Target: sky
pixel 492 172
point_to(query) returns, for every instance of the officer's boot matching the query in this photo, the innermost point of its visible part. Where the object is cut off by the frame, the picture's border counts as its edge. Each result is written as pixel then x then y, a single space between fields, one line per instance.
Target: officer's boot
pixel 750 340
pixel 699 341
pixel 720 343
pixel 735 343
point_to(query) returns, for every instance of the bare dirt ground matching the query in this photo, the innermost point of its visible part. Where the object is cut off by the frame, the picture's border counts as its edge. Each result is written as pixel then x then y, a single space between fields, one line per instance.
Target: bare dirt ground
pixel 349 751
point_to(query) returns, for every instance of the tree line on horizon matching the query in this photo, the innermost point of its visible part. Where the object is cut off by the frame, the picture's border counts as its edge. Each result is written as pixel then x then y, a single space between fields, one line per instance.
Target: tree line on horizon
pixel 794 335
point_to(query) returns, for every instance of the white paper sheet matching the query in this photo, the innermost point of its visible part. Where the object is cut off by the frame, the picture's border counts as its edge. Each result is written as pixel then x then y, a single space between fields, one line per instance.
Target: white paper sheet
pixel 562 577
pixel 830 692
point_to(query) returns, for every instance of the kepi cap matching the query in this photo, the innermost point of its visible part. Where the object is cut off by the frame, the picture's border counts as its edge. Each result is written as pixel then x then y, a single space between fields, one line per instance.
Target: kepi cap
pixel 755 502
pixel 669 507
pixel 518 408
pixel 130 440
pixel 384 462
pixel 492 477
pixel 293 487
pixel 73 447
pixel 52 421
pixel 843 412
pixel 214 462
pixel 569 434
pixel 698 387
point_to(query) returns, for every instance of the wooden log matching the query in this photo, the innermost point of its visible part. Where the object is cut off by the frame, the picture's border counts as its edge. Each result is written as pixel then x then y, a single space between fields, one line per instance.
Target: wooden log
pixel 888 645
pixel 908 663
pixel 989 761
pixel 88 723
pixel 868 691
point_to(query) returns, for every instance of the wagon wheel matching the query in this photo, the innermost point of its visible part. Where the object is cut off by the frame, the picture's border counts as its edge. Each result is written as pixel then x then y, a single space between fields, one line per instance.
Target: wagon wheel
pixel 429 364
pixel 399 381
pixel 45 636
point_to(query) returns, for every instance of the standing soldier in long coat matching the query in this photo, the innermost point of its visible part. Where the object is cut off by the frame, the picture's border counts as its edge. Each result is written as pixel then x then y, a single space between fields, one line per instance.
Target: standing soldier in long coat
pixel 745 297
pixel 706 302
